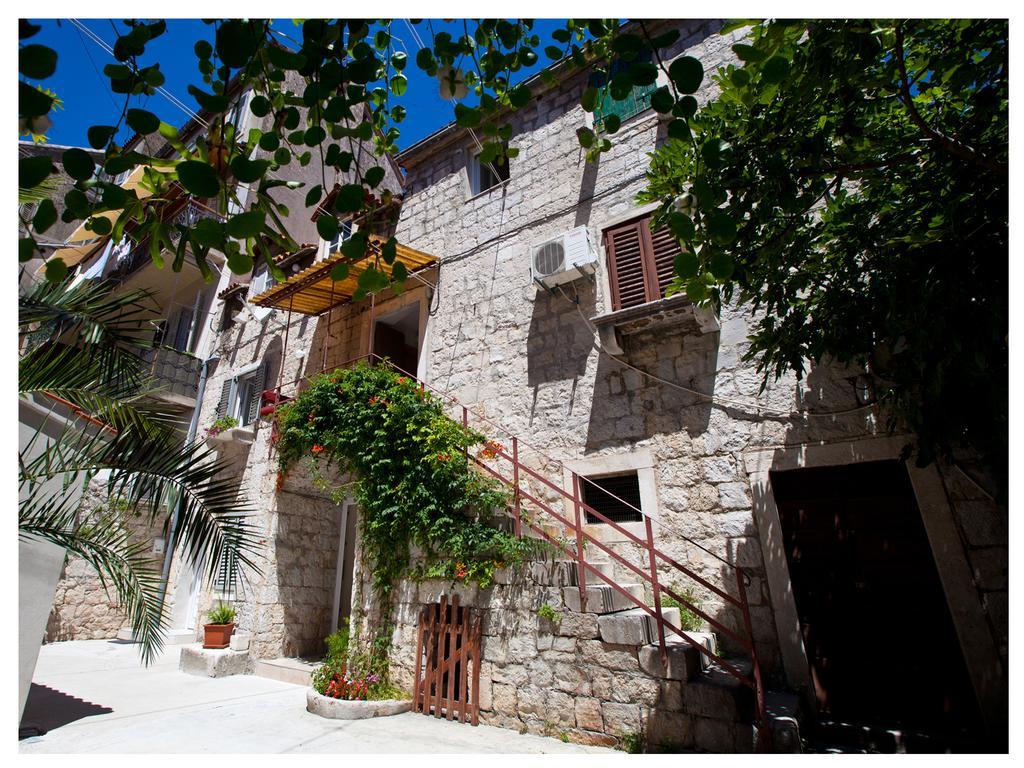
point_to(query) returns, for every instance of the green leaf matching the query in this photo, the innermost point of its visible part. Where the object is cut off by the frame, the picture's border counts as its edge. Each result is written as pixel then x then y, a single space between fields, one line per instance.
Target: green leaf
pixel 327 227
pixel 721 227
pixel 142 122
pixel 466 117
pixel 236 42
pixel 240 263
pixel 259 106
pixel 775 69
pixel 643 73
pixel 339 271
pixel 398 84
pixel 32 102
pixel 349 198
pixel 56 270
pixel 33 170
pixel 612 123
pixel 686 265
pixel 211 102
pixel 748 52
pixel 78 164
pixel 374 176
pixel 662 101
pixel 678 129
pixel 696 290
pixel 586 137
pixel 399 60
pixel 46 216
pixel 313 196
pixel 589 99
pixel 100 225
pixel 519 96
pixel 269 141
pixel 249 171
pixel 248 224
pixel 100 135
pixel 721 265
pixel 685 108
pixel 681 226
pixel 199 178
pixel 26 249
pixel 37 61
pixel 687 73
pixel 399 273
pixel 282 156
pixel 314 135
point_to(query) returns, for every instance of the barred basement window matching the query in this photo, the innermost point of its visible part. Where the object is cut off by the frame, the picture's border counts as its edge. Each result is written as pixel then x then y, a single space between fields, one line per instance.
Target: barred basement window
pixel 614 496
pixel 641 263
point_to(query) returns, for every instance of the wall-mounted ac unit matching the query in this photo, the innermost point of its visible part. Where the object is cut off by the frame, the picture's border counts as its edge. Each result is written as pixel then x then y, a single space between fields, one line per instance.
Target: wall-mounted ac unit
pixel 564 258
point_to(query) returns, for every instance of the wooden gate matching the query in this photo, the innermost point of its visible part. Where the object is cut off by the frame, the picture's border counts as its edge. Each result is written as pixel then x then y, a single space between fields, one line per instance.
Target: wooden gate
pixel 448 662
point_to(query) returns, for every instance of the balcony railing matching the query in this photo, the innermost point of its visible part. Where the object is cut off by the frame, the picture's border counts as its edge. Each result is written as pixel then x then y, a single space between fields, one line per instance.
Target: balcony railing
pixel 129 256
pixel 176 373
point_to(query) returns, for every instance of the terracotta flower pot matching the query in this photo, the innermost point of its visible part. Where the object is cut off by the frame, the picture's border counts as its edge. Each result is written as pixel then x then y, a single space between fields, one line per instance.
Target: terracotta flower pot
pixel 217 635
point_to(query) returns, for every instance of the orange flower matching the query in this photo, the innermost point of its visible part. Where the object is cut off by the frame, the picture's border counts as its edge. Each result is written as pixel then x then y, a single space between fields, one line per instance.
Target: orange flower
pixel 443 457
pixel 318 449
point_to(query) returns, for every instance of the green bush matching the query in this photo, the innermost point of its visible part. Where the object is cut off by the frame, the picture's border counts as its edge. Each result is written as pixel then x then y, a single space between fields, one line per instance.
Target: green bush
pixel 689 621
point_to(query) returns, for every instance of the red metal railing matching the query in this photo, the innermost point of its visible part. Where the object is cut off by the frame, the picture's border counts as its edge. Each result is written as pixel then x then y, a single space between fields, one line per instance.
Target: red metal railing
pixel 655 556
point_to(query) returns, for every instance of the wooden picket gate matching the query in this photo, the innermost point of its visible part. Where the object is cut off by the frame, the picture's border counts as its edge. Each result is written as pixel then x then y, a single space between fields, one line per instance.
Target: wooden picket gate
pixel 448 662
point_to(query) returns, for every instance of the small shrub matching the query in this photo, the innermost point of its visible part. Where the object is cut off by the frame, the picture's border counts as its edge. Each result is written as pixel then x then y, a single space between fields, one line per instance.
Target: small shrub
pixel 222 614
pixel 688 620
pixel 547 612
pixel 337 646
pixel 631 743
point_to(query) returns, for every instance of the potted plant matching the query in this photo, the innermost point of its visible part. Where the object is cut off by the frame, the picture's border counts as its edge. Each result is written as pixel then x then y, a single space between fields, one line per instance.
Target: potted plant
pixel 217 633
pixel 222 424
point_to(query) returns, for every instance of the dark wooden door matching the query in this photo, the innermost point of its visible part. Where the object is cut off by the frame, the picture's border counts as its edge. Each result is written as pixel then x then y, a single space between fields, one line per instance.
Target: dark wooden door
pixel 876 625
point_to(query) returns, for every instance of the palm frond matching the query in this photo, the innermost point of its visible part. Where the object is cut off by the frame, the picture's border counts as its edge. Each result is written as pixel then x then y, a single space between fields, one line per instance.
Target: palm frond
pixel 108 548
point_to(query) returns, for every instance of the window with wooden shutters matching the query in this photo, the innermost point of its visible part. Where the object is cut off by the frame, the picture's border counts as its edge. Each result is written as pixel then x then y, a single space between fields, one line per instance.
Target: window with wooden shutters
pixel 640 262
pixel 226 580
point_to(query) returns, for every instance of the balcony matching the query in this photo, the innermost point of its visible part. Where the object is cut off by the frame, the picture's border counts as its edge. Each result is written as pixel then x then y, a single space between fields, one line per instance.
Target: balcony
pixel 176 374
pixel 130 257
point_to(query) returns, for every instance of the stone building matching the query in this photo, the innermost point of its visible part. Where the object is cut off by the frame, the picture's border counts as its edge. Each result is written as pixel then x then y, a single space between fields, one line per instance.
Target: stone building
pixel 854 562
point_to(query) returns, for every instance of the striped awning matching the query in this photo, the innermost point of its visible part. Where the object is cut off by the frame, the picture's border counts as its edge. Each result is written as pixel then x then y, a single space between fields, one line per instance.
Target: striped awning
pixel 313 292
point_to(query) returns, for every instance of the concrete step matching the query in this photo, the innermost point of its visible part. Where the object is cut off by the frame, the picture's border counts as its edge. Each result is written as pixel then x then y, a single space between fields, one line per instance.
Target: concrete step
pixel 718 694
pixel 684 661
pixel 602 599
pixel 287 670
pixel 634 627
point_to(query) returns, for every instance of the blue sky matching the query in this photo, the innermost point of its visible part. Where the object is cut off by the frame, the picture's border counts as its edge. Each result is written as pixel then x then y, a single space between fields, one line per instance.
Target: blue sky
pixel 80 83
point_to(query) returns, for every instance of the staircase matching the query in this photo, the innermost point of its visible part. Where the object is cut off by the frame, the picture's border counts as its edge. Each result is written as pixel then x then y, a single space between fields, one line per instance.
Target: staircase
pixel 717 689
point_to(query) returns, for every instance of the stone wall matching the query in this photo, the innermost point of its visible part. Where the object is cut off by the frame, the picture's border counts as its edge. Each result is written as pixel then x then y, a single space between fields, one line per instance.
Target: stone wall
pixel 82 608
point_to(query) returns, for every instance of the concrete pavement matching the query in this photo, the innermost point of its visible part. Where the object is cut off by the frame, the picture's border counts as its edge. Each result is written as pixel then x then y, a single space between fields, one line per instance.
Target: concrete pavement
pixel 94 696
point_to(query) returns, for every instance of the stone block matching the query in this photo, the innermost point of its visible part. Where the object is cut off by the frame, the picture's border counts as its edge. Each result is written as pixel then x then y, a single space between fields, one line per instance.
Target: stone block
pixel 684 661
pixel 602 599
pixel 711 735
pixel 560 709
pixel 504 699
pixel 620 719
pixel 213 662
pixel 588 714
pixel 634 627
pixel 579 625
pixel 608 656
pixel 532 702
pixel 240 641
pixel 668 730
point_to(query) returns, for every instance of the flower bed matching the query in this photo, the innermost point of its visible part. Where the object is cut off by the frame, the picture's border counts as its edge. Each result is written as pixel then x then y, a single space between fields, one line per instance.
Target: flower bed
pixel 344 709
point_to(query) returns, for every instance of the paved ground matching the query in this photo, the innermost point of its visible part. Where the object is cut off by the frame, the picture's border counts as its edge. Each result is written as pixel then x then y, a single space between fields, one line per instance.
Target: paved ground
pixel 94 696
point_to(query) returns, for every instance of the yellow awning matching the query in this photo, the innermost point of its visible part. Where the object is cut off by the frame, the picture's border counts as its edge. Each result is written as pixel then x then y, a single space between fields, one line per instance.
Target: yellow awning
pixel 312 292
pixel 84 242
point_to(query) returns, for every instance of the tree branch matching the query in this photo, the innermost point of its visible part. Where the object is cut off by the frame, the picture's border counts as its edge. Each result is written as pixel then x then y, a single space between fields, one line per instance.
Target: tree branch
pixel 950 145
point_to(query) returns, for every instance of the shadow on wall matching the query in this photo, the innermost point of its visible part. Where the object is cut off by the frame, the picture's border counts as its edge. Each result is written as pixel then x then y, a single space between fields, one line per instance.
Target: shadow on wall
pixel 629 406
pixel 48 708
pixel 306 546
pixel 559 340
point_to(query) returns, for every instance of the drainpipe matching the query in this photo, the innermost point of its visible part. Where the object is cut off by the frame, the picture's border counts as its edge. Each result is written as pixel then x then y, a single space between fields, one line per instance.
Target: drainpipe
pixel 192 426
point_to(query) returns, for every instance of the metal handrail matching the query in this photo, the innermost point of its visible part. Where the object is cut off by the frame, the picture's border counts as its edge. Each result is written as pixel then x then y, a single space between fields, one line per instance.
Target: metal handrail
pixel 583 537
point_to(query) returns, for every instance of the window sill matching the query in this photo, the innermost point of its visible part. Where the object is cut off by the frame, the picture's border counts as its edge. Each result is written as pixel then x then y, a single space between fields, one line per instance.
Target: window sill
pixel 233 436
pixel 500 185
pixel 674 310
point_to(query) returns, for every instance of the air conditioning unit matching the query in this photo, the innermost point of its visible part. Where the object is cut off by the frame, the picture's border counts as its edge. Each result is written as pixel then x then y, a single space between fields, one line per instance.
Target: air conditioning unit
pixel 563 259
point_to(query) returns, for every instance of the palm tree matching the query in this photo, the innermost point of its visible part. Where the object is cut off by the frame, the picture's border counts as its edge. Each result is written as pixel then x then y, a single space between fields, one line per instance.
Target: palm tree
pixel 81 346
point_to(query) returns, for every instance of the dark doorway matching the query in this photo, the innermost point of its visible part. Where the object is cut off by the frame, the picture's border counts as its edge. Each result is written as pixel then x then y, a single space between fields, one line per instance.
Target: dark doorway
pixel 396 336
pixel 876 625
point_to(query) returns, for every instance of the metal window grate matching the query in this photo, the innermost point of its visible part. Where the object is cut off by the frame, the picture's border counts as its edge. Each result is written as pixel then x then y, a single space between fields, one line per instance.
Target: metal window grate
pixel 601 492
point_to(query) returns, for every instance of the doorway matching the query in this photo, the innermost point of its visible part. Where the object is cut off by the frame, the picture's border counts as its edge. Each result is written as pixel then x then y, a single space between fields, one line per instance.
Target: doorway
pixel 396 336
pixel 874 619
pixel 345 570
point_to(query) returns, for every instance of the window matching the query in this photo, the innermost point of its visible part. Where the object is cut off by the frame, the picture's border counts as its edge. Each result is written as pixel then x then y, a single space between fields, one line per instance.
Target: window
pixel 240 396
pixel 226 578
pixel 617 497
pixel 633 102
pixel 485 176
pixel 261 281
pixel 344 233
pixel 640 262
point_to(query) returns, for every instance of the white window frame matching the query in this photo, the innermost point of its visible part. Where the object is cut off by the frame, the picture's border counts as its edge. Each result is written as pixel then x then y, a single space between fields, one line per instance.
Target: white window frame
pixel 236 404
pixel 475 181
pixel 640 461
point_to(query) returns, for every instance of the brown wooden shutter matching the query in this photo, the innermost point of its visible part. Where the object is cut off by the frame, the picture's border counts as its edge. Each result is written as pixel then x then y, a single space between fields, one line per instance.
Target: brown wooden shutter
pixel 225 399
pixel 640 262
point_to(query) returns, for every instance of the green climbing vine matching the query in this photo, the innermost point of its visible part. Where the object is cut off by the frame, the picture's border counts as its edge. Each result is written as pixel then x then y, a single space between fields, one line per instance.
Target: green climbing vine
pixel 411 476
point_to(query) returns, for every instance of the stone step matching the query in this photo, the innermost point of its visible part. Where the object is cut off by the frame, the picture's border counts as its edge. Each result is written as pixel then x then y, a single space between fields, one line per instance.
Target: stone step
pixel 602 599
pixel 565 573
pixel 287 670
pixel 684 661
pixel 718 694
pixel 634 627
